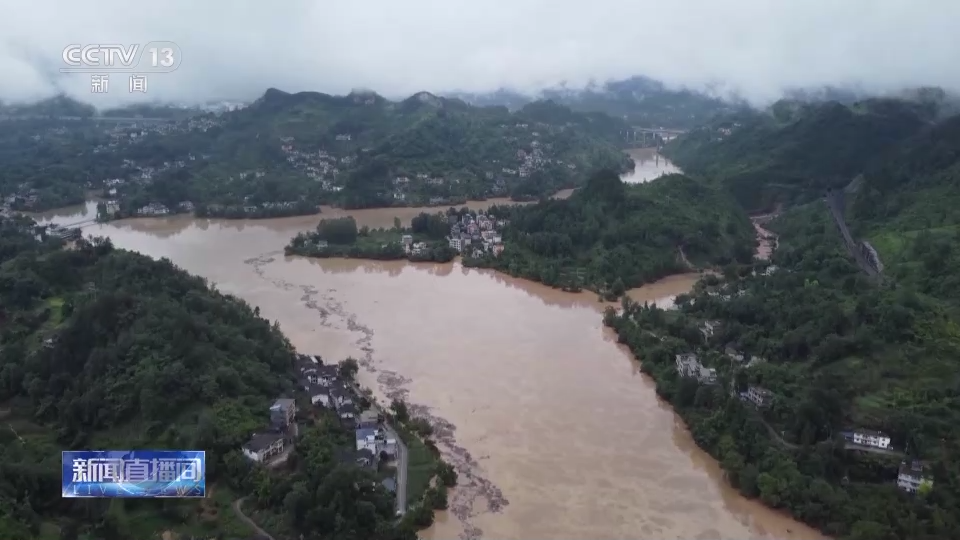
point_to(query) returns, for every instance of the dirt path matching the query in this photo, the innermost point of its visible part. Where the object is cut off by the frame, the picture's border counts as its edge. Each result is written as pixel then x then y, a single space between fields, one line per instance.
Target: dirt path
pixel 238 509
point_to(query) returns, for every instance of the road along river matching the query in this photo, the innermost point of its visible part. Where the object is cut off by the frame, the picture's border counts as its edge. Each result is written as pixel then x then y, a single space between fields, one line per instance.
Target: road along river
pixel 553 429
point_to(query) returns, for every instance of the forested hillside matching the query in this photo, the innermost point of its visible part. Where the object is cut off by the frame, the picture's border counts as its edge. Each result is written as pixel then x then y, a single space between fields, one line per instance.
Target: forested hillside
pixel 640 101
pixel 909 209
pixel 358 150
pixel 105 348
pixel 795 151
pixel 610 236
pixel 836 351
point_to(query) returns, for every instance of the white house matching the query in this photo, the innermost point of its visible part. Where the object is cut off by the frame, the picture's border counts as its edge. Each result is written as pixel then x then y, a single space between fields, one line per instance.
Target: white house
pixel 319 396
pixel 877 439
pixel 367 438
pixel 262 446
pixel 911 476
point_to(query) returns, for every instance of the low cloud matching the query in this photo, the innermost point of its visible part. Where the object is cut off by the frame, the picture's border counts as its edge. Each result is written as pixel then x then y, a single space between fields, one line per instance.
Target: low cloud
pixel 237 49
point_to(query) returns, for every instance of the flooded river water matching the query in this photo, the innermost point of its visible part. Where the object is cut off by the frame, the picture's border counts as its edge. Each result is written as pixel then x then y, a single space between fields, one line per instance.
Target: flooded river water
pixel 555 432
pixel 649 165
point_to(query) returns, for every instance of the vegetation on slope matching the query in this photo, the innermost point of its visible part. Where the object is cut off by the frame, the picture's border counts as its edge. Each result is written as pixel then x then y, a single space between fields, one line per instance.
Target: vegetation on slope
pixel 105 348
pixel 840 351
pixel 640 101
pixel 359 150
pixel 794 152
pixel 909 209
pixel 610 236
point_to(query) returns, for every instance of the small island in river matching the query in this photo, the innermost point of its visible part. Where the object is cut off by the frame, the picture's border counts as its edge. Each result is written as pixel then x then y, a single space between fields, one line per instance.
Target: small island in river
pixel 431 237
pixel 608 237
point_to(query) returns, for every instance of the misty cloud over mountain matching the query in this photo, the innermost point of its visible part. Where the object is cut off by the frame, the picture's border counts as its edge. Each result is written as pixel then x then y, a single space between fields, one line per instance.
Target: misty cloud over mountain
pixel 236 50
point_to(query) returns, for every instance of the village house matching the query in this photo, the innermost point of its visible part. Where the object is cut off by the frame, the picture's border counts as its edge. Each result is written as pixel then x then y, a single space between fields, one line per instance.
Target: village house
pixel 911 476
pixel 263 446
pixel 868 437
pixel 760 397
pixel 282 413
pixel 347 410
pixel 688 365
pixel 368 419
pixel 707 328
pixel 153 209
pixel 734 354
pixel 340 396
pixel 368 438
pixel 327 375
pixel 319 395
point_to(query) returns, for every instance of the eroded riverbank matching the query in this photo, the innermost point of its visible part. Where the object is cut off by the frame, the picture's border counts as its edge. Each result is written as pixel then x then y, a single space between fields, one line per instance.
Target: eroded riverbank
pixel 552 428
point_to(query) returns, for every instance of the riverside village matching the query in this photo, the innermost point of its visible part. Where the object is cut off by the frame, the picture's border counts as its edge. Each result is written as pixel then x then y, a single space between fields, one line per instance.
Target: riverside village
pixel 913 476
pixel 330 386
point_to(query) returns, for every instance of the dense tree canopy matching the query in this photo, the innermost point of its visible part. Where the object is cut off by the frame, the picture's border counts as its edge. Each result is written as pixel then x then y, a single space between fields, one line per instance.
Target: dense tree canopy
pixel 610 236
pixel 795 151
pixel 311 148
pixel 837 350
pixel 105 348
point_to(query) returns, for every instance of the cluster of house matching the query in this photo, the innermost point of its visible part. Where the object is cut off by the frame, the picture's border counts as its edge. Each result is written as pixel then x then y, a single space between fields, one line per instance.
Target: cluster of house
pixel 133 132
pixel 912 474
pixel 319 165
pixel 326 388
pixel 689 365
pixel 476 235
pixel 270 443
pixel 25 196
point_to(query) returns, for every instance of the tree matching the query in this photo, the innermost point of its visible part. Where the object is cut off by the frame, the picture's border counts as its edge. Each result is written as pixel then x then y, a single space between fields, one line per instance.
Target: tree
pixel 349 368
pixel 399 408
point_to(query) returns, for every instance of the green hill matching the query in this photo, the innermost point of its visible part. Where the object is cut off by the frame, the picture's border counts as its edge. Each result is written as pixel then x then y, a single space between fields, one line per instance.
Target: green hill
pixel 363 150
pixel 640 101
pixel 795 151
pixel 908 207
pixel 102 348
pixel 836 350
pixel 610 236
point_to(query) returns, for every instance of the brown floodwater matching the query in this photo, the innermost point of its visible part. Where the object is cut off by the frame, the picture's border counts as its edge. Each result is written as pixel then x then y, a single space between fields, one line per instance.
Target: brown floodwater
pixel 552 427
pixel 649 165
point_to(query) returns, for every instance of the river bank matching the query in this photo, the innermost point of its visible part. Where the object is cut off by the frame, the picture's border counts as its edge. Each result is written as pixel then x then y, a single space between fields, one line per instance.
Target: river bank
pixel 552 429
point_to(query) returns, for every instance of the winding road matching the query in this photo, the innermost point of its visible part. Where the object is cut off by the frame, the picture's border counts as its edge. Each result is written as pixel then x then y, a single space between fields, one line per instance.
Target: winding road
pixel 238 509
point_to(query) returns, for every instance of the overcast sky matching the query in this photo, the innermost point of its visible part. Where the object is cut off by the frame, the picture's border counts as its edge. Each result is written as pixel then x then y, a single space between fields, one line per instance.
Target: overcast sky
pixel 238 48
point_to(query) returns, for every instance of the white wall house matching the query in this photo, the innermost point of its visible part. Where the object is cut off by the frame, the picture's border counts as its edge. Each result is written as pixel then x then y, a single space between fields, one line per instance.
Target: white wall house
pixel 262 446
pixel 877 439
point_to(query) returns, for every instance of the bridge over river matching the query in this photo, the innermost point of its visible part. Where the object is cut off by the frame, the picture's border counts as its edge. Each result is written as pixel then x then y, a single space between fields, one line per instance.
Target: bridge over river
pixel 644 136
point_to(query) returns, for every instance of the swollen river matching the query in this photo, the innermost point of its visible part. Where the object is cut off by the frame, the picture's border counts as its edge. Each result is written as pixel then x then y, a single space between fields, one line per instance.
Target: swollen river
pixel 553 429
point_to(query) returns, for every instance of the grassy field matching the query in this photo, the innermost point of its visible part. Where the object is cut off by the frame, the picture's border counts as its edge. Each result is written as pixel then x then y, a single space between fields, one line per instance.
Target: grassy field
pixel 421 465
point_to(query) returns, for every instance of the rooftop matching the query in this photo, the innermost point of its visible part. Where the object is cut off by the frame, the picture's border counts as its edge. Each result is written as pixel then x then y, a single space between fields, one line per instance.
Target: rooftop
pixel 364 433
pixel 870 433
pixel 317 390
pixel 261 441
pixel 390 484
pixel 283 403
pixel 913 468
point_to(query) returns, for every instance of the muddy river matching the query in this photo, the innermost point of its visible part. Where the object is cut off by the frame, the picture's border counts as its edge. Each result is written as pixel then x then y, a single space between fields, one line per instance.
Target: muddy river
pixel 554 430
pixel 649 166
